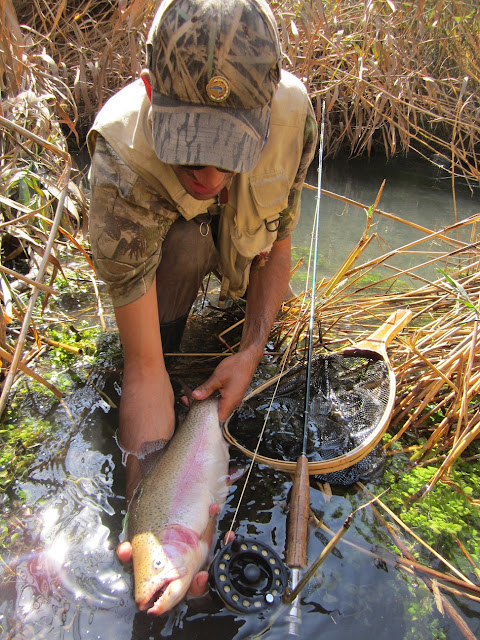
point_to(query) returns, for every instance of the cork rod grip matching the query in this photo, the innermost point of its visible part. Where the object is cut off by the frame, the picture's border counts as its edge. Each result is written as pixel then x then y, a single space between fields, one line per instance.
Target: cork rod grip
pixel 297 531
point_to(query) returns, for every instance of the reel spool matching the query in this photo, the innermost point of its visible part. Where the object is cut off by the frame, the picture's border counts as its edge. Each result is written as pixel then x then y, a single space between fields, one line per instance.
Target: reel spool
pixel 248 576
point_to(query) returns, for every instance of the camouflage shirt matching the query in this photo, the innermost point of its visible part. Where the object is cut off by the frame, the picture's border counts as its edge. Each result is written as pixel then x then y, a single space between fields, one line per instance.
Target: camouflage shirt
pixel 130 217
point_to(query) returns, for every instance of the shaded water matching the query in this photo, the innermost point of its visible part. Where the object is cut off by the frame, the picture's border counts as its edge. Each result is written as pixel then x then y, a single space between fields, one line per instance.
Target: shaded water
pixel 61 578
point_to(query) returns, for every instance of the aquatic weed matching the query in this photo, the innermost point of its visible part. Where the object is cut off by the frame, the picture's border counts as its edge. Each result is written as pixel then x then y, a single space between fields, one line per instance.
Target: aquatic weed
pixel 447 513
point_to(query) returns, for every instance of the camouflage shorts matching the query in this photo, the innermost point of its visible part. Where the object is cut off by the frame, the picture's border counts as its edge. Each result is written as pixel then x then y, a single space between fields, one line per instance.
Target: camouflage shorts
pixel 128 224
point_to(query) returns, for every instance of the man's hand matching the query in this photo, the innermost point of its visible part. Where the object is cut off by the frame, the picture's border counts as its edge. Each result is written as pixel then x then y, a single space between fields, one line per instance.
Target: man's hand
pixel 146 408
pixel 231 378
pixel 266 289
pixel 146 415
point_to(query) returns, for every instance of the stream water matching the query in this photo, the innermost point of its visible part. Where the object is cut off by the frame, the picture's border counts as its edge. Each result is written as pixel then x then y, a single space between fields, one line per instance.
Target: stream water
pixel 61 579
pixel 414 191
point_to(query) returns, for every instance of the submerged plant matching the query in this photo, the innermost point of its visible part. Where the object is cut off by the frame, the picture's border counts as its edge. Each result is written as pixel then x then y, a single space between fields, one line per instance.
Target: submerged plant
pixel 445 516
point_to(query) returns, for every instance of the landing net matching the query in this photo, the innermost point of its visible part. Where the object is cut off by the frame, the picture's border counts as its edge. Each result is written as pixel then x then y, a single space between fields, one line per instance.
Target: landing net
pixel 349 397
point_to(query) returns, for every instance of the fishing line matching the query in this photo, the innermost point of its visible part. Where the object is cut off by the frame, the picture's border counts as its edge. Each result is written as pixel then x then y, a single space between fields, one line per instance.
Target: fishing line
pixel 297 532
pixel 255 453
pixel 316 224
pixel 314 249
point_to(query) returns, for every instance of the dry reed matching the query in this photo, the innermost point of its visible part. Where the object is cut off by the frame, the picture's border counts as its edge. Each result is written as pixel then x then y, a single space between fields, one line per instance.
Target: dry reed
pixel 391 74
pixel 38 200
pixel 384 82
pixel 436 359
pixel 385 85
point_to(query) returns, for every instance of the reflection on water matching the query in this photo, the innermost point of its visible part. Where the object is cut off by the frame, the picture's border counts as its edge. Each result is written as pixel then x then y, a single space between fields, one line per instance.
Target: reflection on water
pixel 69 582
pixel 415 191
pixel 70 586
pixel 61 579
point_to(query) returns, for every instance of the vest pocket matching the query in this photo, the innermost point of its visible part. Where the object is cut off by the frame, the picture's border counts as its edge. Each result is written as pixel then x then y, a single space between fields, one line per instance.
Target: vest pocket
pixel 270 194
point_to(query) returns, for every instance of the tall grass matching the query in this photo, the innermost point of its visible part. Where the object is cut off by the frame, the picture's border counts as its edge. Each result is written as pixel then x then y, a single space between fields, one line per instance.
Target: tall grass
pixel 395 75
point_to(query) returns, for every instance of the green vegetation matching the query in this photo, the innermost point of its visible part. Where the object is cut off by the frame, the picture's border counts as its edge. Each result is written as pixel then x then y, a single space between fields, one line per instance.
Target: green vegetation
pixel 449 512
pixel 20 437
pixel 30 418
pixel 22 430
pixel 418 612
pixel 67 368
pixel 22 427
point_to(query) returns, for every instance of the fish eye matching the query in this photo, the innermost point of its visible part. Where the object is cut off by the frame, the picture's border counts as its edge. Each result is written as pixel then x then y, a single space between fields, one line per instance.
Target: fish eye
pixel 157 563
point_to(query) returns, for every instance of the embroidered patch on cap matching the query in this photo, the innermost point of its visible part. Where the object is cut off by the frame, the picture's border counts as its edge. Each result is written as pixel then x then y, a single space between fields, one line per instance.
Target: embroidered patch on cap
pixel 218 89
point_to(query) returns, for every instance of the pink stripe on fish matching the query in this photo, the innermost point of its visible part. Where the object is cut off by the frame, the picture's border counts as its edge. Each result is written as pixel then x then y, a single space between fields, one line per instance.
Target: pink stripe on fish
pixel 194 461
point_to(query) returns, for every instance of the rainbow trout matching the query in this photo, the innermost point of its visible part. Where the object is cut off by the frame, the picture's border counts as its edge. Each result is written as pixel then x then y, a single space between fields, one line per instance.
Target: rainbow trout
pixel 172 516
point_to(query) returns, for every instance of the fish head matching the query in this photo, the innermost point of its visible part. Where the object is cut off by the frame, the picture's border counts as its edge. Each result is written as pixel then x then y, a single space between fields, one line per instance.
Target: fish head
pixel 163 573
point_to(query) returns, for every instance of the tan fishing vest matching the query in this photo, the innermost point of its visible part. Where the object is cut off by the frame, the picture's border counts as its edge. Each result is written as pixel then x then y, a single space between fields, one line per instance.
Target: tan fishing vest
pixel 248 221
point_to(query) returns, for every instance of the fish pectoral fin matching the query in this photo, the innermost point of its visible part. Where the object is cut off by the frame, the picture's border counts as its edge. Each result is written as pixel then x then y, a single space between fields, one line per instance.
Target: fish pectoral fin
pixel 235 472
pixel 210 530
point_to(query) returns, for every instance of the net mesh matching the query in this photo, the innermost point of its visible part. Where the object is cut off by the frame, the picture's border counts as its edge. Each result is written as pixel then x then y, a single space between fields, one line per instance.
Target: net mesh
pixel 348 398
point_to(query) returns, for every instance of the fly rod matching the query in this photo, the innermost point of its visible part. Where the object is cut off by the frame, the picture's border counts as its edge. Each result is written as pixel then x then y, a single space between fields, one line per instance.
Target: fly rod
pixel 300 499
pixel 246 574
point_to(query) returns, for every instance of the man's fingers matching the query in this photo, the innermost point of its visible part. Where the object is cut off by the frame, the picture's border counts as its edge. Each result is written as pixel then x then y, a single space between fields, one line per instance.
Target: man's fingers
pixel 124 552
pixel 199 586
pixel 207 388
pixel 229 537
pixel 226 408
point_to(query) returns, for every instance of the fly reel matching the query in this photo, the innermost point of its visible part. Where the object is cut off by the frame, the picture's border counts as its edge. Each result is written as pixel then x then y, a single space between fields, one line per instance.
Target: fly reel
pixel 248 576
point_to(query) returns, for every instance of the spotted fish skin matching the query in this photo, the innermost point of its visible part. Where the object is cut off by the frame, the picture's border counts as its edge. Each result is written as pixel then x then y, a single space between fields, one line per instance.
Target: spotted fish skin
pixel 172 514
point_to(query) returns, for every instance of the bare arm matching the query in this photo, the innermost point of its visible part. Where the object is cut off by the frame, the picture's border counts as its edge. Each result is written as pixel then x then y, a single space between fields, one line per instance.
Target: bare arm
pixel 146 407
pixel 266 289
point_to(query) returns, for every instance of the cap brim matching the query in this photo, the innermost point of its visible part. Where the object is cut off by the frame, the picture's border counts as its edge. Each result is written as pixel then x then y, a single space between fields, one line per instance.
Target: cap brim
pixel 192 134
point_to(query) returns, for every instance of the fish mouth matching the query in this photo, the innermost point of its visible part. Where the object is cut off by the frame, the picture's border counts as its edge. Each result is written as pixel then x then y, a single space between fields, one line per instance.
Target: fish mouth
pixel 154 603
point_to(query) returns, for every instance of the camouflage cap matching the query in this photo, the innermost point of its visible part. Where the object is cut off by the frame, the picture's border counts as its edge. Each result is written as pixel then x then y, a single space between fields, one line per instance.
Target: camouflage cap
pixel 215 67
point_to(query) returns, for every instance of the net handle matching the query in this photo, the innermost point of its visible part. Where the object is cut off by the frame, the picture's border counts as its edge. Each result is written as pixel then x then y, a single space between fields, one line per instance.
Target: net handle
pixel 379 340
